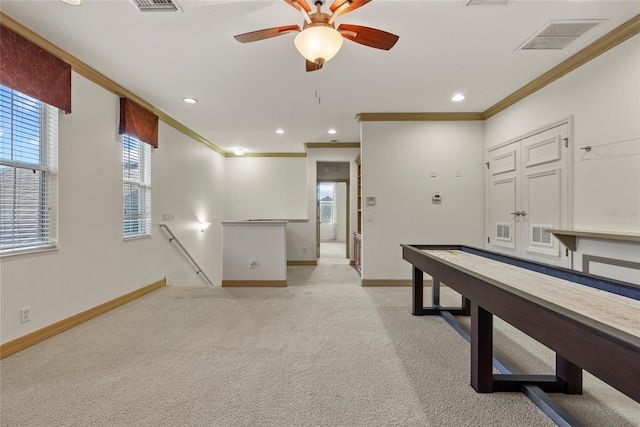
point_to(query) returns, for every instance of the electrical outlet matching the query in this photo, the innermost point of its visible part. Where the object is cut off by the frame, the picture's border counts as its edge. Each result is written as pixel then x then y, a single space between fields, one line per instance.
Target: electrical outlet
pixel 304 250
pixel 25 314
pixel 252 264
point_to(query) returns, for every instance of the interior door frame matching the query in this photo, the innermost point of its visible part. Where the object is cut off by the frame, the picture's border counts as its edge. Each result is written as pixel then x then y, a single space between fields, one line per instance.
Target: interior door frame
pixel 348 219
pixel 570 175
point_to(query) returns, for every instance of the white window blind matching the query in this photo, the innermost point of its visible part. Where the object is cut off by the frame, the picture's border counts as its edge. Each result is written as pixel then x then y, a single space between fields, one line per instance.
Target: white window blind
pixel 136 190
pixel 28 173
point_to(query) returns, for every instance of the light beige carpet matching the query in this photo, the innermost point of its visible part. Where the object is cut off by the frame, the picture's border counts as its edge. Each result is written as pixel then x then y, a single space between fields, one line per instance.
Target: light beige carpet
pixel 333 249
pixel 322 352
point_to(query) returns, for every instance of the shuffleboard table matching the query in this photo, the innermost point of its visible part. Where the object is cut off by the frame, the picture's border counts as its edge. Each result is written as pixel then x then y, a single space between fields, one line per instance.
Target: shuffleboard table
pixel 590 322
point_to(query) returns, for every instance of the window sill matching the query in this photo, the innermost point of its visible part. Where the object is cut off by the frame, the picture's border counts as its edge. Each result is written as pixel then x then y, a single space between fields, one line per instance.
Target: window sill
pixel 143 236
pixel 28 252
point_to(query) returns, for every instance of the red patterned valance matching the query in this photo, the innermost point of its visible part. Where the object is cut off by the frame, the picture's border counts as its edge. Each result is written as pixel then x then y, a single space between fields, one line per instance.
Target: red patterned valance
pixel 138 122
pixel 33 71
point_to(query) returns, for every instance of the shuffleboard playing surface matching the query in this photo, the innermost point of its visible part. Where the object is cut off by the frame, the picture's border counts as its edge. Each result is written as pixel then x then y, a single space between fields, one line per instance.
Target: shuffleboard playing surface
pixel 617 311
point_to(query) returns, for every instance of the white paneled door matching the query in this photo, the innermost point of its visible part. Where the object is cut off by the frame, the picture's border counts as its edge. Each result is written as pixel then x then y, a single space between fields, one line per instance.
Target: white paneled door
pixel 528 194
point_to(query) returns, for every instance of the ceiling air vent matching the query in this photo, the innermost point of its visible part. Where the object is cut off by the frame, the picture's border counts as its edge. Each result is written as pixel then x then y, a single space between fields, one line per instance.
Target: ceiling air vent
pixel 557 35
pixel 156 5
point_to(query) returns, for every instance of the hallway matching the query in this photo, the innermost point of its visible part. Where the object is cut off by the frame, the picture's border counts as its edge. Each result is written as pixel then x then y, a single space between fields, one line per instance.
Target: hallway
pixel 333 252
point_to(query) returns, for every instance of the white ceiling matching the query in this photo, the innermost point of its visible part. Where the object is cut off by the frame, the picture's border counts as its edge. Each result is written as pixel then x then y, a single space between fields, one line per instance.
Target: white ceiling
pixel 247 91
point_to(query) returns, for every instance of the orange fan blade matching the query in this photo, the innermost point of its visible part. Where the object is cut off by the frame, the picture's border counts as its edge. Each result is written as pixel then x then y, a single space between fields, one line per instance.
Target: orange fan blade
pixel 265 34
pixel 368 36
pixel 313 66
pixel 299 4
pixel 353 5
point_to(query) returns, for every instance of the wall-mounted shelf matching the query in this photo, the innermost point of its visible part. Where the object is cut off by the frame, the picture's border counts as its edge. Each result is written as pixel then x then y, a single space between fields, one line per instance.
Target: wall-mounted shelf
pixel 569 237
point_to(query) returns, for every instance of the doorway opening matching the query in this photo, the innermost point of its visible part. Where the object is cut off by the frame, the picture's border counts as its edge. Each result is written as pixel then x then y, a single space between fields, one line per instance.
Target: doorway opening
pixel 333 220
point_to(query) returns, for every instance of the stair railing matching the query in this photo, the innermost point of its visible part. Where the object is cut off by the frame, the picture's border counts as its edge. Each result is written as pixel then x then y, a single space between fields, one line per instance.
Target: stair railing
pixel 173 238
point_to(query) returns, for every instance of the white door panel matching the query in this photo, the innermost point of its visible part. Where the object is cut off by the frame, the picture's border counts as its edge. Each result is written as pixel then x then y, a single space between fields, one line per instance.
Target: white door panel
pixel 503 193
pixel 503 198
pixel 528 193
pixel 541 152
pixel 504 162
pixel 541 200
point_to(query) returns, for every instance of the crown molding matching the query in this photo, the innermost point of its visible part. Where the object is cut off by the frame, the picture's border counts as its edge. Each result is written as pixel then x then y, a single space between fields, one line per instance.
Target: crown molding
pixel 308 145
pixel 418 117
pixel 620 34
pixel 595 49
pixel 610 40
pixel 100 79
pixel 267 155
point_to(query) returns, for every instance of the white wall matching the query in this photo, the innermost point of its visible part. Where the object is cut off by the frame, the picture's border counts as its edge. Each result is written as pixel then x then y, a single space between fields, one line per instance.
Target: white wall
pixel 333 170
pixel 93 264
pixel 284 188
pixel 254 250
pixel 603 96
pixel 189 185
pixel 271 188
pixel 342 205
pixel 266 188
pixel 397 158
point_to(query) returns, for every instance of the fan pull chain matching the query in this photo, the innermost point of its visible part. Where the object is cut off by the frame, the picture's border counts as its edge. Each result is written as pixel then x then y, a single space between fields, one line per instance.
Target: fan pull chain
pixel 318 92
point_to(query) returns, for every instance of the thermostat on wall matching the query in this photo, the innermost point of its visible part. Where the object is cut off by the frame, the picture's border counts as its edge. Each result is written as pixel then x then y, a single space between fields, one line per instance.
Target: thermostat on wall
pixel 371 200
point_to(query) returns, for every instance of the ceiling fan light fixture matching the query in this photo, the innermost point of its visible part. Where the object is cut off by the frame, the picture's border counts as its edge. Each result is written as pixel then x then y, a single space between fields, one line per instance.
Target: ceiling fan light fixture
pixel 318 43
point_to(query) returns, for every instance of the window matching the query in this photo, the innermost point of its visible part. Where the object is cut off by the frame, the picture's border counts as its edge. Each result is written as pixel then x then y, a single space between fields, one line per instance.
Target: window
pixel 28 173
pixel 325 198
pixel 136 187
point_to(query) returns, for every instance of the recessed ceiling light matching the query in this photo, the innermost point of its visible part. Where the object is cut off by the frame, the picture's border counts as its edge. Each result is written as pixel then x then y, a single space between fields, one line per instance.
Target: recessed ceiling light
pixel 190 100
pixel 457 97
pixel 238 151
pixel 279 131
pixel 332 131
pixel 73 2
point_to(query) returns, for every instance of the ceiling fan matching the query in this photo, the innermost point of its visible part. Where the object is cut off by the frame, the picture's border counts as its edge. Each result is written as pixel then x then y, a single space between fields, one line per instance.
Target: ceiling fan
pixel 318 40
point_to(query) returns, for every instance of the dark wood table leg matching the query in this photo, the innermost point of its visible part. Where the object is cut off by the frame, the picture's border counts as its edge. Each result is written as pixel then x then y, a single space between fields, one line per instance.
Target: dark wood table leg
pixel 569 373
pixel 417 284
pixel 481 349
pixel 466 306
pixel 435 292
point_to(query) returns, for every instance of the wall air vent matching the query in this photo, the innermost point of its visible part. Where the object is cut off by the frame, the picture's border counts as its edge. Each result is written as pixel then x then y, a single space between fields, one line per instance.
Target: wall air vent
pixel 556 35
pixel 156 5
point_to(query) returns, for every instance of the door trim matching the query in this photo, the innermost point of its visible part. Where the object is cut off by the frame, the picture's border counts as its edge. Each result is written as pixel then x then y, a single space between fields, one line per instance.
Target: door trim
pixel 348 219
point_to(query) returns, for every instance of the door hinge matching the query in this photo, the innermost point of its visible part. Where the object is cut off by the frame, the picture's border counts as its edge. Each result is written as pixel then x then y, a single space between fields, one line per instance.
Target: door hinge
pixel 566 142
pixel 566 252
pixel 488 239
pixel 487 163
